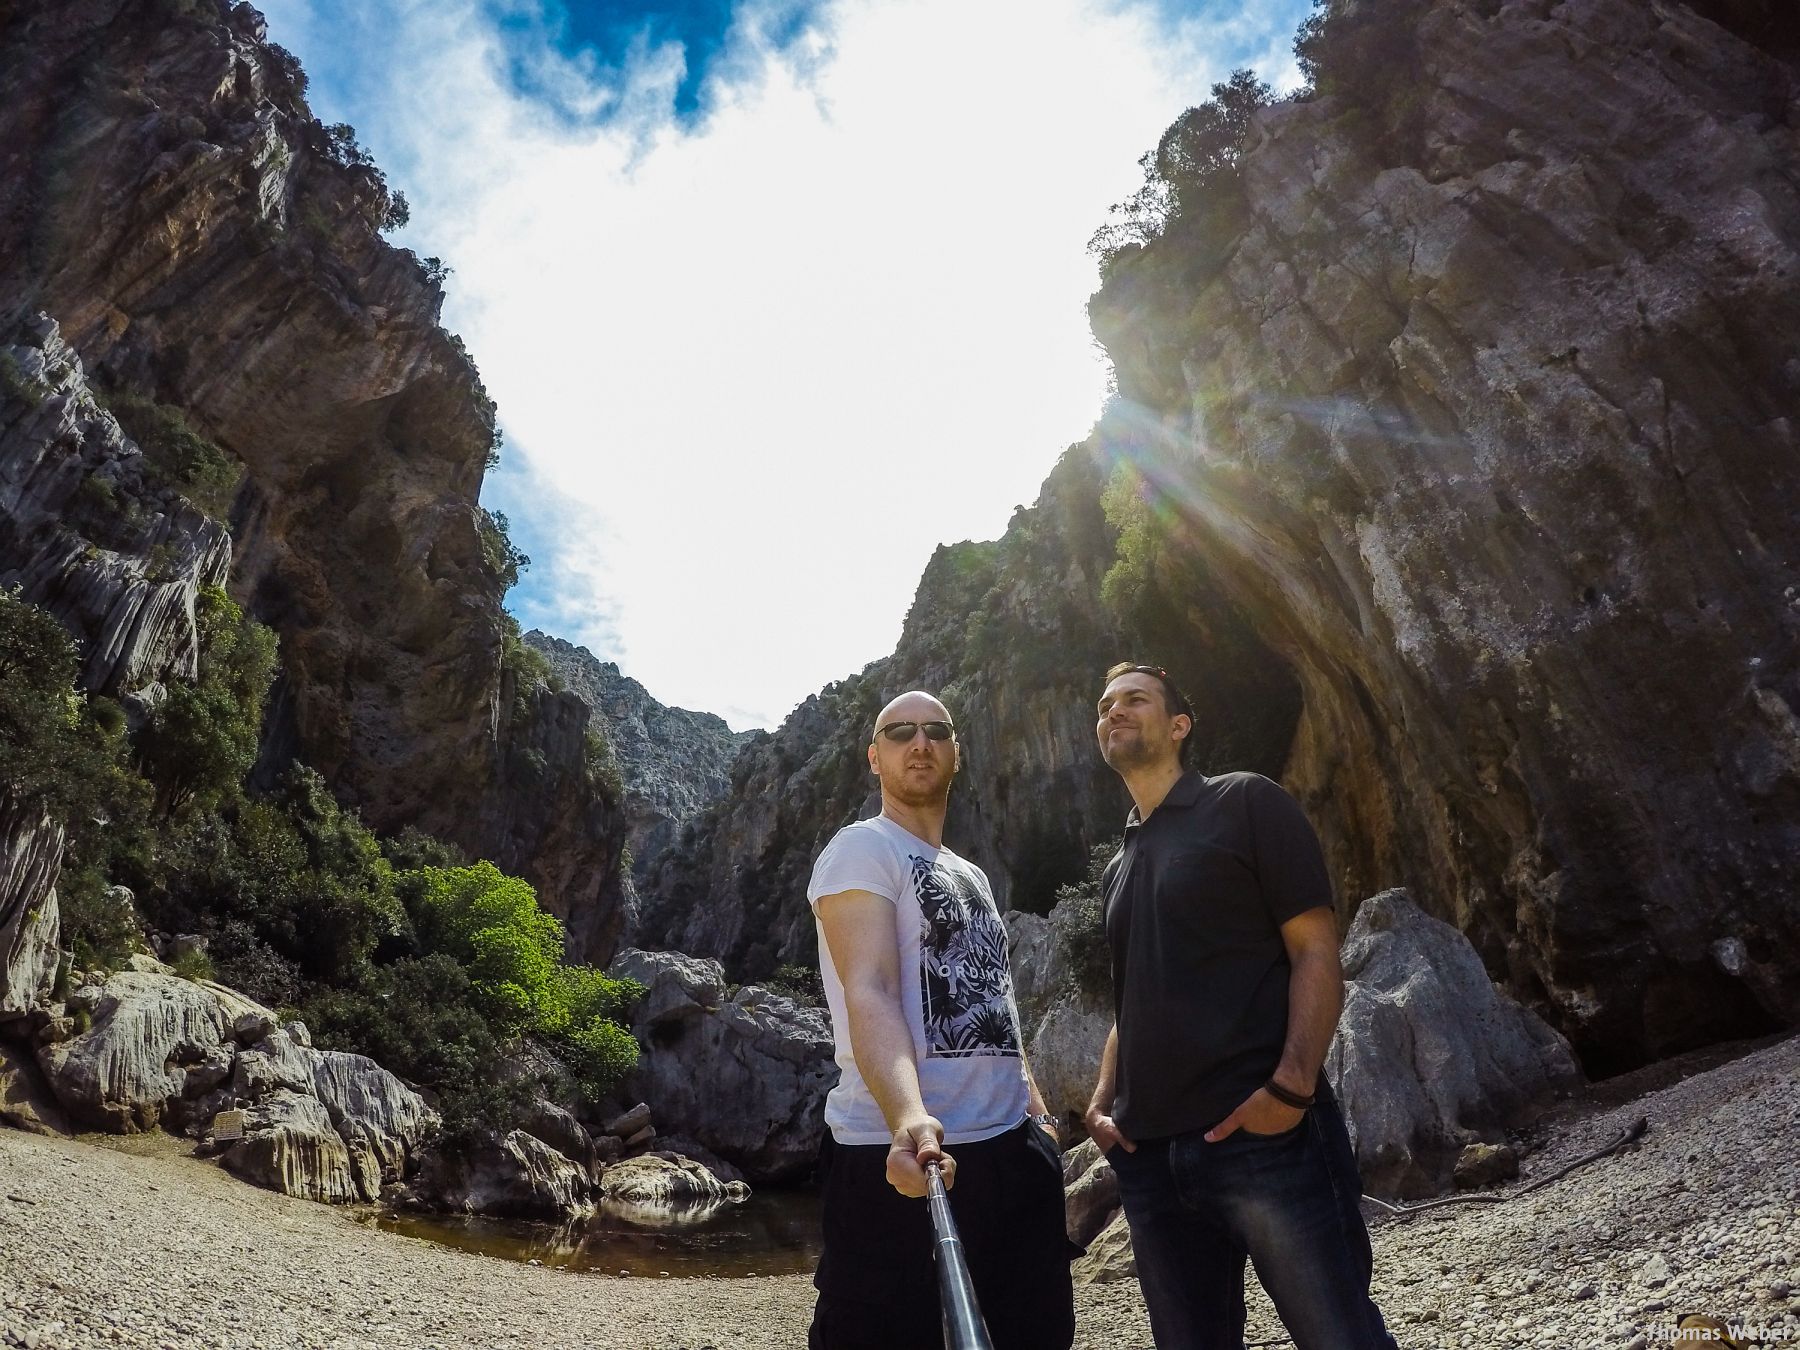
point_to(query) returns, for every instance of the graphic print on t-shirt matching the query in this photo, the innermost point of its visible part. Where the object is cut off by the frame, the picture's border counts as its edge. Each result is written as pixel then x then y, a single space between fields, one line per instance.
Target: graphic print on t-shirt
pixel 963 978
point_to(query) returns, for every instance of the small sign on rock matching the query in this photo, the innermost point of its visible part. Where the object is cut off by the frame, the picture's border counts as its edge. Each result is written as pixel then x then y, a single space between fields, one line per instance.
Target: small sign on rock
pixel 228 1125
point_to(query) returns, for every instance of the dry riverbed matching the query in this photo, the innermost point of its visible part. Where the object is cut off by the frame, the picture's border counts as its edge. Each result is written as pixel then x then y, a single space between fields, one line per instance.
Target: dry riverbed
pixel 131 1242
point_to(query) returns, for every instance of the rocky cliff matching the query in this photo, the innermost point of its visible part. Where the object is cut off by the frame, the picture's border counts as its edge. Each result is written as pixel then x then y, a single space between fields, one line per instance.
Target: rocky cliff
pixel 207 246
pixel 1013 634
pixel 672 762
pixel 1454 461
pixel 1481 411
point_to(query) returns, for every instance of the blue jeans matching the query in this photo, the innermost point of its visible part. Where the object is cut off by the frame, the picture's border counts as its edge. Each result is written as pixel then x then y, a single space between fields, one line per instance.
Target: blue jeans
pixel 1287 1201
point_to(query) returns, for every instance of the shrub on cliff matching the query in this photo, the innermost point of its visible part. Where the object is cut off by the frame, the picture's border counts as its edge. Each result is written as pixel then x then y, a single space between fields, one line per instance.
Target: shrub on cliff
pixel 201 740
pixel 57 750
pixel 175 453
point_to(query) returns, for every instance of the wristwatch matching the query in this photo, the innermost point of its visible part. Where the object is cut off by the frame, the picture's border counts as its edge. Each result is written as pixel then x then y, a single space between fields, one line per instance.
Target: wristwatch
pixel 1048 1122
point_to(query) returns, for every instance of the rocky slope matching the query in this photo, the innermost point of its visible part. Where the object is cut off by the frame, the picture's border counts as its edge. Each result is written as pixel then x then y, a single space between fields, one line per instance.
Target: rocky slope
pixel 1014 636
pixel 1483 419
pixel 673 762
pixel 166 196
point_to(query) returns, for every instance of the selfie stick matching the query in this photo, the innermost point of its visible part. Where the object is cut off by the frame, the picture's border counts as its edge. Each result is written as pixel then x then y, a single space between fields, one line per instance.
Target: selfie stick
pixel 963 1327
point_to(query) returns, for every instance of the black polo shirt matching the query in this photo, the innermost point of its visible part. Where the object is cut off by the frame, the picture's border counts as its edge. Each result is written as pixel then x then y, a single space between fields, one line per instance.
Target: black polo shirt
pixel 1195 901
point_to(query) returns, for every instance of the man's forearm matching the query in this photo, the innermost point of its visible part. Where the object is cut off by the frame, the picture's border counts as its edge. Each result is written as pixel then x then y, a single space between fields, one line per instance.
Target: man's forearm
pixel 1104 1085
pixel 1315 998
pixel 1034 1099
pixel 884 1053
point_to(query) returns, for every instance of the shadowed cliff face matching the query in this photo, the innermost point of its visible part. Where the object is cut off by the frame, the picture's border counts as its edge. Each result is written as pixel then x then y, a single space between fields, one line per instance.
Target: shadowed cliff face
pixel 1485 423
pixel 672 762
pixel 1013 636
pixel 167 199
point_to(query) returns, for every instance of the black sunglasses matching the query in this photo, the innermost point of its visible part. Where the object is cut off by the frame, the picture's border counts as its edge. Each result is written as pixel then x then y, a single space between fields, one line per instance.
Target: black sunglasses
pixel 902 732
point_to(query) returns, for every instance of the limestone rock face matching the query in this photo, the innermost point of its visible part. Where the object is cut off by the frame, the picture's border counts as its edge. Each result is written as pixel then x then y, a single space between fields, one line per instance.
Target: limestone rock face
pixel 169 200
pixel 673 762
pixel 31 847
pixel 87 534
pixel 382 1121
pixel 1014 636
pixel 1484 420
pixel 1090 1192
pixel 744 1076
pixel 289 1145
pixel 1065 1026
pixel 1429 1055
pixel 516 1176
pixel 125 1072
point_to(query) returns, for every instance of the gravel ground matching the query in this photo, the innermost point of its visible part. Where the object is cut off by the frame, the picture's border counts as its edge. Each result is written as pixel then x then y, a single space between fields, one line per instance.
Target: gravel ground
pixel 131 1242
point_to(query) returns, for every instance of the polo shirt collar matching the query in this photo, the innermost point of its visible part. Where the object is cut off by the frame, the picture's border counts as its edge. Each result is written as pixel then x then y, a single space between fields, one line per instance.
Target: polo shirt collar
pixel 1185 792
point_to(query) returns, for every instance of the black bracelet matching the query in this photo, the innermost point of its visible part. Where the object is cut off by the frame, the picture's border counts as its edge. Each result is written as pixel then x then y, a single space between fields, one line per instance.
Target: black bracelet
pixel 1286 1098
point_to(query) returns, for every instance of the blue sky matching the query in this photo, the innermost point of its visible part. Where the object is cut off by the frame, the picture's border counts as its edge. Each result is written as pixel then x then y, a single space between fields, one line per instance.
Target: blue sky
pixel 774 296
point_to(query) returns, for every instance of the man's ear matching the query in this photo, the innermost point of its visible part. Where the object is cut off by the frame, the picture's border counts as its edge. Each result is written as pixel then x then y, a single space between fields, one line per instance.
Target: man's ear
pixel 874 763
pixel 1182 725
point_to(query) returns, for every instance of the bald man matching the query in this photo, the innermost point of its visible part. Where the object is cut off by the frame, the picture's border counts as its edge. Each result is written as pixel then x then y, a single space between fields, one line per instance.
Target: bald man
pixel 913 956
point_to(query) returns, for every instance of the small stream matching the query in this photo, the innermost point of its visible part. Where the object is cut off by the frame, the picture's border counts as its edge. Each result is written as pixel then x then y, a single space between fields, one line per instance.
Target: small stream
pixel 771 1233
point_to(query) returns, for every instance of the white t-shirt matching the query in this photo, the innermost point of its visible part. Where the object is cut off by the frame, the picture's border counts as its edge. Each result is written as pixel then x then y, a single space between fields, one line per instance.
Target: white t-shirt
pixel 955 985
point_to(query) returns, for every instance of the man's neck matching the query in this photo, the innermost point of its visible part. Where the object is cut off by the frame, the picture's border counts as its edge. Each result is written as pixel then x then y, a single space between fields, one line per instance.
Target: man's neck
pixel 1150 784
pixel 923 822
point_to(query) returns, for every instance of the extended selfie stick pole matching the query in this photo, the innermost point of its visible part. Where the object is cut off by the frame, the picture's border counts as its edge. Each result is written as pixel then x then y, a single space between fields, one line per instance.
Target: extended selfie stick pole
pixel 963 1327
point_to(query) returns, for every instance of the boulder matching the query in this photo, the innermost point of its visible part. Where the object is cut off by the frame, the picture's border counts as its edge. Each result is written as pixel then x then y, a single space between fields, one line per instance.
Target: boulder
pixel 660 1180
pixel 122 1074
pixel 26 1102
pixel 1065 1025
pixel 1090 1201
pixel 31 847
pixel 1108 1259
pixel 271 1062
pixel 628 1123
pixel 383 1122
pixel 1482 1165
pixel 676 1146
pixel 513 1176
pixel 1429 1055
pixel 550 1124
pixel 291 1146
pixel 744 1076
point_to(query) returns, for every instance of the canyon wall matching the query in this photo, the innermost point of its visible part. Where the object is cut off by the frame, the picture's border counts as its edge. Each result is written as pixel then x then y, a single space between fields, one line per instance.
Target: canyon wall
pixel 168 199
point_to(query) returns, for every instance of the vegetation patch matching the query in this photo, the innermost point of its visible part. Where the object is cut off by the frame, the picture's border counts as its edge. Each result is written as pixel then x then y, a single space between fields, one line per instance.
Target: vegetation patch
pixel 177 455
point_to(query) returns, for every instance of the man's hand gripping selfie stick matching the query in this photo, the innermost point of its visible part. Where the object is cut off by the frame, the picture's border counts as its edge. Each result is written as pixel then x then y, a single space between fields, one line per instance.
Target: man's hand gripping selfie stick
pixel 963 1327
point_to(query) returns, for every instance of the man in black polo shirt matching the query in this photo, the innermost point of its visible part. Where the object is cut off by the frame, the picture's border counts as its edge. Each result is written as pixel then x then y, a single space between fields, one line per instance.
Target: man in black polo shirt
pixel 1210 1103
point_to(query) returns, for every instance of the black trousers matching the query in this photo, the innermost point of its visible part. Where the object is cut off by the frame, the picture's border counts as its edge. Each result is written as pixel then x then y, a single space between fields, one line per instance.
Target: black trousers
pixel 876 1280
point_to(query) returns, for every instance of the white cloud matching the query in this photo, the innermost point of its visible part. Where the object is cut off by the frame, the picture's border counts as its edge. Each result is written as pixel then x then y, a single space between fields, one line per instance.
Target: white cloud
pixel 752 370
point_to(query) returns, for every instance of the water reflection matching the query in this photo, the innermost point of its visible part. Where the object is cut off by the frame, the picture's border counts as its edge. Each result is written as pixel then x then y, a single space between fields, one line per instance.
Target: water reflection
pixel 771 1233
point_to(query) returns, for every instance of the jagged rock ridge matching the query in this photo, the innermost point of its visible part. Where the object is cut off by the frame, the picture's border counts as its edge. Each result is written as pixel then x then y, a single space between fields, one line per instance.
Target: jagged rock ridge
pixel 673 762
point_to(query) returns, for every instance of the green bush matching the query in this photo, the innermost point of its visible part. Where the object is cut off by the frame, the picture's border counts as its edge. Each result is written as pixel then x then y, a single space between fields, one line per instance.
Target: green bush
pixel 202 738
pixel 58 751
pixel 1081 928
pixel 99 927
pixel 511 949
pixel 193 964
pixel 176 454
pixel 503 558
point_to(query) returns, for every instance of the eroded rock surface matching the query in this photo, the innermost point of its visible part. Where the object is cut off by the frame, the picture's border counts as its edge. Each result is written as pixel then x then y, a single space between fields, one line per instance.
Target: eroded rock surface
pixel 31 847
pixel 1429 1056
pixel 743 1075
